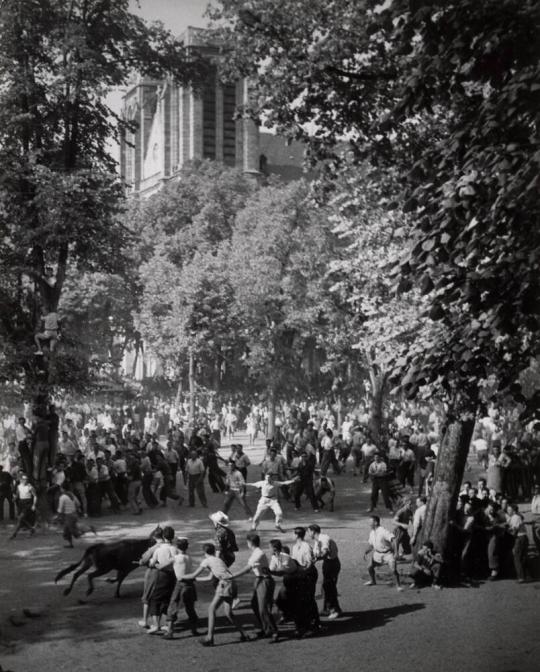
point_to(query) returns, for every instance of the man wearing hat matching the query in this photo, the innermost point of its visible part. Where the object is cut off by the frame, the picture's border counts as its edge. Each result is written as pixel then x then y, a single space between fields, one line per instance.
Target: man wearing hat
pixel 225 539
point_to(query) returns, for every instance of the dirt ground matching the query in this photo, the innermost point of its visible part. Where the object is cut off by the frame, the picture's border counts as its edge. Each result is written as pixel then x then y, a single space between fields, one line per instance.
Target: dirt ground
pixel 492 627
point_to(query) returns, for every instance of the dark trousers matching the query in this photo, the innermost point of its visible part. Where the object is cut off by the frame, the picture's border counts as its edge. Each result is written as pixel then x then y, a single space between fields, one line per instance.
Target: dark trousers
pixel 426 576
pixel 148 495
pixel 519 553
pixel 11 503
pixel 330 572
pixel 311 576
pixel 329 458
pixel 406 473
pixel 305 486
pixel 106 489
pixel 184 593
pixel 403 540
pixel 231 496
pixel 494 552
pixel 215 480
pixel 261 603
pixel 26 457
pixel 380 484
pixel 196 484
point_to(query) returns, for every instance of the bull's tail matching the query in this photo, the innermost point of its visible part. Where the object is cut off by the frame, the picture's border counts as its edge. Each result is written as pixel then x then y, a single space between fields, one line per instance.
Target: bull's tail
pixel 69 569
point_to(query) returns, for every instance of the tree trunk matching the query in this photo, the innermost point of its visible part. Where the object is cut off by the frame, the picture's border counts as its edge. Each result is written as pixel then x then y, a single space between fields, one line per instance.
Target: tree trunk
pixel 217 373
pixel 271 413
pixel 447 479
pixel 378 391
pixel 191 386
pixel 339 411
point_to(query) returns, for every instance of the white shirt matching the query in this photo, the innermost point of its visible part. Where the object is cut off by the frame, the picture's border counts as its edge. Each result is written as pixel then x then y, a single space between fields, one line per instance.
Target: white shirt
pixel 66 504
pixel 268 490
pixel 327 443
pixel 195 467
pixel 163 553
pixel 346 430
pixel 21 433
pixel 235 481
pixel 282 562
pixel 381 540
pixel 369 449
pixel 418 518
pixel 535 505
pixel 216 565
pixel 324 547
pixel 258 562
pixel 377 469
pixel 302 553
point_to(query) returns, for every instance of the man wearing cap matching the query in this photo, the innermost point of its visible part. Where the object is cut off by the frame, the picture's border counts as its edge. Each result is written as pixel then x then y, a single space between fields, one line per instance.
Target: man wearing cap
pixel 269 500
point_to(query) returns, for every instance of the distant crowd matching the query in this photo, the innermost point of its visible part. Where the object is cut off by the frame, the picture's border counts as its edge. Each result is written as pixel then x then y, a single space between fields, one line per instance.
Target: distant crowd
pixel 148 454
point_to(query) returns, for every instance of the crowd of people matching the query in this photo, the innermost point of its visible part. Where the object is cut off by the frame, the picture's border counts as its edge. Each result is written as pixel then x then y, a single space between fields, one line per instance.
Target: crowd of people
pixel 140 455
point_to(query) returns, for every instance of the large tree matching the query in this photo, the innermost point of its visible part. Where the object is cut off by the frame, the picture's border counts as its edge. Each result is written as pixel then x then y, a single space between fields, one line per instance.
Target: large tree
pixel 370 317
pixel 60 197
pixel 183 314
pixel 447 93
pixel 278 258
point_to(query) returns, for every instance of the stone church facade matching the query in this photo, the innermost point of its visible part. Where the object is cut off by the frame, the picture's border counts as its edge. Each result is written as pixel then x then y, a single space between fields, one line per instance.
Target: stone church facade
pixel 175 125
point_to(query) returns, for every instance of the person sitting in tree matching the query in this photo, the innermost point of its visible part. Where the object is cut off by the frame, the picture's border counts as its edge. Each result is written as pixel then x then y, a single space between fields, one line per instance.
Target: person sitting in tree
pixel 49 332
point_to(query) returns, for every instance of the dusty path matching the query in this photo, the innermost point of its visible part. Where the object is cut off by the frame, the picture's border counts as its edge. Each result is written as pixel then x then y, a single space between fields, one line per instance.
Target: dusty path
pixel 491 628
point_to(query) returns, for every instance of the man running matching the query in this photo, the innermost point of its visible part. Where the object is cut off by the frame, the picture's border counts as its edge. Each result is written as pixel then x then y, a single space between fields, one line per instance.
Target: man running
pixel 226 591
pixel 382 547
pixel 26 500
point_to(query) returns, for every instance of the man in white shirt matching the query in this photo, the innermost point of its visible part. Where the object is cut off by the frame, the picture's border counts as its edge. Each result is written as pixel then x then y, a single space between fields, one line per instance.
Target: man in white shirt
pixel 66 446
pixel 325 549
pixel 26 499
pixel 269 500
pixel 346 428
pixel 195 470
pixel 368 451
pixel 328 453
pixel 235 489
pixel 303 554
pixel 382 548
pixel 378 472
pixel 67 513
pixel 49 333
pixel 263 588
